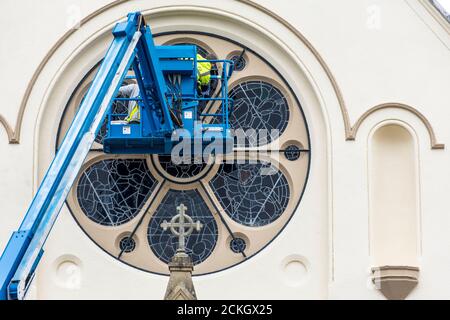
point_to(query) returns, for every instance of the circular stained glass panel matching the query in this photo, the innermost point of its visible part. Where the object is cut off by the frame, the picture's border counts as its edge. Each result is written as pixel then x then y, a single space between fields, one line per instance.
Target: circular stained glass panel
pixel 252 194
pixel 111 192
pixel 258 105
pixel 292 153
pixel 239 62
pixel 199 244
pixel 238 245
pixel 127 244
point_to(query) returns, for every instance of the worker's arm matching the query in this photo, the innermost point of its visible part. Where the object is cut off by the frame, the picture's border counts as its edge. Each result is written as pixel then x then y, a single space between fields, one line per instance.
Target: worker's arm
pixel 130 90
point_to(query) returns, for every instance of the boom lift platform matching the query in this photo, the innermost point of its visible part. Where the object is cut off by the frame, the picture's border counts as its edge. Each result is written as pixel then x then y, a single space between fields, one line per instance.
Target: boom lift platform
pixel 169 112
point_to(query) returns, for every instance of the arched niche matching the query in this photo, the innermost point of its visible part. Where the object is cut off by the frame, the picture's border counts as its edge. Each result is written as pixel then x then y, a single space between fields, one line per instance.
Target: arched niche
pixel 394 209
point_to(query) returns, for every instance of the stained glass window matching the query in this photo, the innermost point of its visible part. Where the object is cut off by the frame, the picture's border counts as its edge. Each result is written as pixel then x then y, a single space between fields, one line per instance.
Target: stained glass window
pixel 111 192
pixel 199 245
pixel 238 245
pixel 292 152
pixel 258 105
pixel 127 244
pixel 229 199
pixel 251 194
pixel 182 170
pixel 239 62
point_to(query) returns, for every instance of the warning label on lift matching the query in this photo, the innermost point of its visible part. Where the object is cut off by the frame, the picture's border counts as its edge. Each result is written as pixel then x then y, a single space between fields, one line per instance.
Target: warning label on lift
pixel 126 130
pixel 188 114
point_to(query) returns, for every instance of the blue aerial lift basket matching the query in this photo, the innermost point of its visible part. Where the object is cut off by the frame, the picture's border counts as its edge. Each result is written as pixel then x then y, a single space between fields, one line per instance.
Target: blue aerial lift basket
pixel 169 103
pixel 169 108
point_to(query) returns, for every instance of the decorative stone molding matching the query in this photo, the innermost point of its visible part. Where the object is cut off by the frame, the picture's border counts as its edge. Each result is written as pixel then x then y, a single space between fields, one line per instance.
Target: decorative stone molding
pixel 433 141
pixel 9 130
pixel 395 282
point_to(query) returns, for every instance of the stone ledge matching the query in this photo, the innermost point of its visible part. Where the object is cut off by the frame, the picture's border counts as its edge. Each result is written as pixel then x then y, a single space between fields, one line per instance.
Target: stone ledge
pixel 395 282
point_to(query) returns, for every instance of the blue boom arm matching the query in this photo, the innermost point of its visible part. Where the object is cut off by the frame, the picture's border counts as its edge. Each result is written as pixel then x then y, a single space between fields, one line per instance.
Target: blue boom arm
pixel 153 66
pixel 25 247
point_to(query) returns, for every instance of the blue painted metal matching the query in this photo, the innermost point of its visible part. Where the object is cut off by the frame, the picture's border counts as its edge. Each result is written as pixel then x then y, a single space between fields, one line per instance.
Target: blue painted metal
pixel 149 136
pixel 25 247
pixel 167 80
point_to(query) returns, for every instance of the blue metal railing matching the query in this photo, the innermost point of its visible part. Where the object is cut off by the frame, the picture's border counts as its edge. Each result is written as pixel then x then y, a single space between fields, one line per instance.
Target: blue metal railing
pixel 227 103
pixel 227 71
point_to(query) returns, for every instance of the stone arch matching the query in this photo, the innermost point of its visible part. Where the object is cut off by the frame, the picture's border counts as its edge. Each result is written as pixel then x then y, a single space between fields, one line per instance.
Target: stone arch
pixel 433 141
pixel 350 131
pixel 14 134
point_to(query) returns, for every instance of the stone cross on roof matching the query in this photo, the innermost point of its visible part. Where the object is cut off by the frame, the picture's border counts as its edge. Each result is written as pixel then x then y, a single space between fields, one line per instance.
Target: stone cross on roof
pixel 182 226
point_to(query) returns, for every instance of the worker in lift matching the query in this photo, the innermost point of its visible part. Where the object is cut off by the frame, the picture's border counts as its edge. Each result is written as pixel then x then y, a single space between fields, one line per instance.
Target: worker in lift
pixel 203 88
pixel 131 91
pixel 204 75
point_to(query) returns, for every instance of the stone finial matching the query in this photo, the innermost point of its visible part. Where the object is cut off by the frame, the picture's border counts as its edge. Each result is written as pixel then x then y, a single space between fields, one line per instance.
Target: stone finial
pixel 180 285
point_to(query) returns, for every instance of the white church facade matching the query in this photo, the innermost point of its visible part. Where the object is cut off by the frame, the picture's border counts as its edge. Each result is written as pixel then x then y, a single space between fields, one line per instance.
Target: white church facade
pixel 356 205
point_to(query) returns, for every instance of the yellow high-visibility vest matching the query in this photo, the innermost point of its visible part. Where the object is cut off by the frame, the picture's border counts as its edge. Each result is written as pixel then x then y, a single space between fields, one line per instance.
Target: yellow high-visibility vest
pixel 135 114
pixel 203 71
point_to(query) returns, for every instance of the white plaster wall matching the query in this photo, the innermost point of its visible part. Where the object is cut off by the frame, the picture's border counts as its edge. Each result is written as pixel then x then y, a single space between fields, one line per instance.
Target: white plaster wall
pixel 30 29
pixel 405 60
